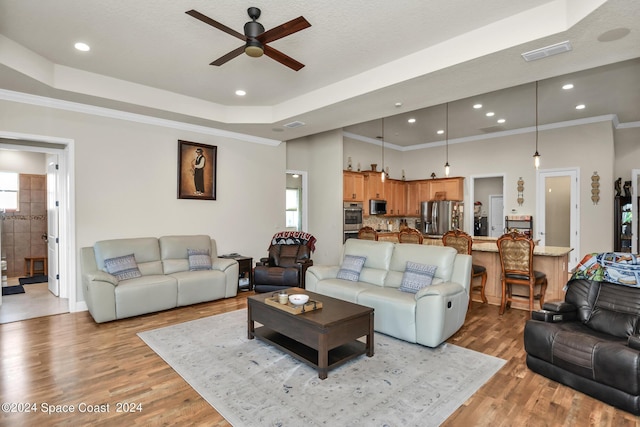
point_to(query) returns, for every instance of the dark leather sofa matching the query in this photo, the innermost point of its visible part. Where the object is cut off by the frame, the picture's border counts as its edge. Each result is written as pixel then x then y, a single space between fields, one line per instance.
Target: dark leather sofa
pixel 590 342
pixel 285 267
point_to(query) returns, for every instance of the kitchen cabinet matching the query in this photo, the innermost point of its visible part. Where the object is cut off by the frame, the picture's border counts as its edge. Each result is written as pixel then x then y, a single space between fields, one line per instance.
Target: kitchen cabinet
pixel 353 186
pixel 374 186
pixel 417 192
pixel 446 189
pixel 395 192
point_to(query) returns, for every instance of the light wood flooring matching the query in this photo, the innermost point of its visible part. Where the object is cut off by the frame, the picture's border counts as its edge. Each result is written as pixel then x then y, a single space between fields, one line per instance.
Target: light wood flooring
pixel 37 301
pixel 68 360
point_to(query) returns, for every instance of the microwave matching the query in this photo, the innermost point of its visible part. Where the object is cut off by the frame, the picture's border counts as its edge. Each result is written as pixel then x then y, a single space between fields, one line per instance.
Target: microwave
pixel 377 207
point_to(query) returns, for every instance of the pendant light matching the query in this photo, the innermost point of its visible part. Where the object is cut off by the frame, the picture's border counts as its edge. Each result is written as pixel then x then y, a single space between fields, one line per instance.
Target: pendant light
pixel 383 172
pixel 536 156
pixel 446 135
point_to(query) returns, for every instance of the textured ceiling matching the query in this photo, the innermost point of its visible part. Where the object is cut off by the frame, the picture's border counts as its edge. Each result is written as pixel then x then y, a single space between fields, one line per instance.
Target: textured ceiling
pixel 361 57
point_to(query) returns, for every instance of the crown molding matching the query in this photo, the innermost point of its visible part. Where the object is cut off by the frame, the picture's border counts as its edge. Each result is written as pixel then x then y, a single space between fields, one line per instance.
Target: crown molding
pixel 42 101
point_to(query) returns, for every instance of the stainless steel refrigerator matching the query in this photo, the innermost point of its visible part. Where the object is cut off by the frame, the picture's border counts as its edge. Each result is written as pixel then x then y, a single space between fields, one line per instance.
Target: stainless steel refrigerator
pixel 438 217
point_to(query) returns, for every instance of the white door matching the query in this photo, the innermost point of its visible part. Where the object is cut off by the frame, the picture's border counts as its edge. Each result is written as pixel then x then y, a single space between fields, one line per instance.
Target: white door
pixel 52 223
pixel 557 222
pixel 496 215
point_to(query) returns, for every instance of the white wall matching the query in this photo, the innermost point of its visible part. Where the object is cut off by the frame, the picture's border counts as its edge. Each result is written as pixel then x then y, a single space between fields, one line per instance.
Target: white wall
pixel 126 181
pixel 22 162
pixel 321 156
pixel 627 152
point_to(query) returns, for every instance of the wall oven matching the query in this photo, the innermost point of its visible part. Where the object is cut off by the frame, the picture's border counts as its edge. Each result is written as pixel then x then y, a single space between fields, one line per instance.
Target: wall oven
pixel 351 219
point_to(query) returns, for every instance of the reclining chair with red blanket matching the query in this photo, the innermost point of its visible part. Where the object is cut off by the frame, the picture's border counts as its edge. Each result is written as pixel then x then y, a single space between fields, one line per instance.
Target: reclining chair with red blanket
pixel 288 260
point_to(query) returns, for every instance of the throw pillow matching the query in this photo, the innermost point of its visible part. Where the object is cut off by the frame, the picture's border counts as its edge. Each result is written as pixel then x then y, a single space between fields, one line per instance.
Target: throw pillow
pixel 351 267
pixel 199 259
pixel 123 267
pixel 417 276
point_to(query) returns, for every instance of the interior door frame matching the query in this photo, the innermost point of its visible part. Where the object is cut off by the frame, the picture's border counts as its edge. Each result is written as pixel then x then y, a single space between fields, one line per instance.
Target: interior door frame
pixel 64 147
pixel 471 199
pixel 635 174
pixel 574 221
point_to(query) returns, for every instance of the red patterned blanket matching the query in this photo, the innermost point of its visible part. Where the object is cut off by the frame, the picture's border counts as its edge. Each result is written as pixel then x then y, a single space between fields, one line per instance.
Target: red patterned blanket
pixel 294 238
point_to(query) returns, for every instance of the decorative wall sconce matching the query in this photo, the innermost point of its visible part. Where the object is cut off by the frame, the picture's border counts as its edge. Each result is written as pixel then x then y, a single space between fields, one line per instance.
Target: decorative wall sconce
pixel 595 188
pixel 520 191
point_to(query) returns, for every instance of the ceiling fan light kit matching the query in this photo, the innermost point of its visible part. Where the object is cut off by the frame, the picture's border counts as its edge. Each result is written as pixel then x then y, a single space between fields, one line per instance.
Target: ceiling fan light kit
pixel 256 38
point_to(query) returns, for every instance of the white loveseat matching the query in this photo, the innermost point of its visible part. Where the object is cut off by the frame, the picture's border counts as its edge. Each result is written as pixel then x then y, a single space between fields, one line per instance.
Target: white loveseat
pixel 166 279
pixel 427 317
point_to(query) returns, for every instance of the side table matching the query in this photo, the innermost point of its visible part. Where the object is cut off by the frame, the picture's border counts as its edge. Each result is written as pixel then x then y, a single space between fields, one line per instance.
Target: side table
pixel 245 270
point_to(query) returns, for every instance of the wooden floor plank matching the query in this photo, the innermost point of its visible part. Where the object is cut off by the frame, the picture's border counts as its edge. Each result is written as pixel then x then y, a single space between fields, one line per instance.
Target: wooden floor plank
pixel 69 359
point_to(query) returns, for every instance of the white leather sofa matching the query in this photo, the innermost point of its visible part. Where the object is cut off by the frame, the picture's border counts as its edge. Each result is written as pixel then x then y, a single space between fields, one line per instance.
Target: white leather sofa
pixel 166 279
pixel 427 317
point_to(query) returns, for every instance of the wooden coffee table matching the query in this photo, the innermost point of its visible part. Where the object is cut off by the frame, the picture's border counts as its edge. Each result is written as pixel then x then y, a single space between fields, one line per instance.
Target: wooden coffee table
pixel 323 338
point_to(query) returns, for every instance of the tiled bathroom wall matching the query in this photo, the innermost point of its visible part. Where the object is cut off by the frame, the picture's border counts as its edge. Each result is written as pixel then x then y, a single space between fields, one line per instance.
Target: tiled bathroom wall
pixel 22 231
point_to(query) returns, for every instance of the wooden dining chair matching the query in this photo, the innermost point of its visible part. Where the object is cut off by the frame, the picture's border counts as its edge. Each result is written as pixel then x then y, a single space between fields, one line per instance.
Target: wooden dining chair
pixel 462 242
pixel 367 233
pixel 516 259
pixel 410 235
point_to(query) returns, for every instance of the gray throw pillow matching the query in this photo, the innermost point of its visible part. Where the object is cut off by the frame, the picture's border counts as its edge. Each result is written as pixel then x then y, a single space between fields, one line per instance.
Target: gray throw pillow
pixel 199 259
pixel 123 267
pixel 417 276
pixel 351 267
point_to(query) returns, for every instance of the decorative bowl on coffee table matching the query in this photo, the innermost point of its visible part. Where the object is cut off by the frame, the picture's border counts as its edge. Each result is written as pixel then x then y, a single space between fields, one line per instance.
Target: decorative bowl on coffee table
pixel 298 299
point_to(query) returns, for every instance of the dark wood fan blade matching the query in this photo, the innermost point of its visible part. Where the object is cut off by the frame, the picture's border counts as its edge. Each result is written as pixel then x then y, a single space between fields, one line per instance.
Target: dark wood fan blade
pixel 283 30
pixel 282 58
pixel 229 56
pixel 216 24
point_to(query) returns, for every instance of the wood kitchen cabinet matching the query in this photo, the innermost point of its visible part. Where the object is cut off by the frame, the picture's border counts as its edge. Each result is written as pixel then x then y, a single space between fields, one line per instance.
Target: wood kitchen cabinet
pixel 374 186
pixel 395 192
pixel 446 189
pixel 353 186
pixel 417 192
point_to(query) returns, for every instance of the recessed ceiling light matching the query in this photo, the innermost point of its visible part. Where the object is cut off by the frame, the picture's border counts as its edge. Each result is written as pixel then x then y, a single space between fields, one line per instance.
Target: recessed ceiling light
pixel 241 92
pixel 477 106
pixel 398 104
pixel 580 107
pixel 411 120
pixel 491 114
pixel 501 120
pixel 440 132
pixel 567 86
pixel 82 47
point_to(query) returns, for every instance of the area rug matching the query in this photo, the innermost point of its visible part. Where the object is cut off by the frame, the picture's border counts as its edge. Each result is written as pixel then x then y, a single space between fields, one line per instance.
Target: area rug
pixel 251 383
pixel 32 280
pixel 12 290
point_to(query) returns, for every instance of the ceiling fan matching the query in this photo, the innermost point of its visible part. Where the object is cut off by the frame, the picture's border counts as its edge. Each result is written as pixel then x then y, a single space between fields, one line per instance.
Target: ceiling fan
pixel 256 38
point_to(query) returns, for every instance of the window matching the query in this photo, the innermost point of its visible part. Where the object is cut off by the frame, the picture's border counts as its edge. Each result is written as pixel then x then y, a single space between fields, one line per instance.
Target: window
pixel 8 191
pixel 293 208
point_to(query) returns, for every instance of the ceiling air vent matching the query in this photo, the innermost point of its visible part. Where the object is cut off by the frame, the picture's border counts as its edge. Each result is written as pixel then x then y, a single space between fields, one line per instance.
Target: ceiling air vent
pixel 547 51
pixel 295 124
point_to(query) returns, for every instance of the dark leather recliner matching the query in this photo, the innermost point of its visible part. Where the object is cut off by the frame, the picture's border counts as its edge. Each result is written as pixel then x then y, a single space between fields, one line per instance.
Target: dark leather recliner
pixel 590 342
pixel 285 267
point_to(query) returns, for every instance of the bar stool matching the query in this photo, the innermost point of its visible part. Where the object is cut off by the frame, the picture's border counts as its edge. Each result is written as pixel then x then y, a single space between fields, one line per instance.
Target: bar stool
pixel 516 259
pixel 462 242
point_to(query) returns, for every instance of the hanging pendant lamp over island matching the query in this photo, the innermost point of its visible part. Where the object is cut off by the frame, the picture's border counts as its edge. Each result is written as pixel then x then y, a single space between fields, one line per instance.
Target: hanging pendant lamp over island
pixel 536 155
pixel 446 164
pixel 382 176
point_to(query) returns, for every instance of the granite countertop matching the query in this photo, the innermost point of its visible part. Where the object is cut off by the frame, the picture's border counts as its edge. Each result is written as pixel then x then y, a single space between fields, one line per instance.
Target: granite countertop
pixel 537 250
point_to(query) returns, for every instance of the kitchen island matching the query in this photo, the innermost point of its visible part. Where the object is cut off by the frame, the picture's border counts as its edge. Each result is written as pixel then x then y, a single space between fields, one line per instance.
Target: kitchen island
pixel 551 260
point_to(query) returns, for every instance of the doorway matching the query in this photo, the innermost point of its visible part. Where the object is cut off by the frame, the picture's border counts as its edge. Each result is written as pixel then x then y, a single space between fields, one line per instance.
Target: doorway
pixel 635 208
pixel 557 210
pixel 296 218
pixel 486 193
pixel 65 247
